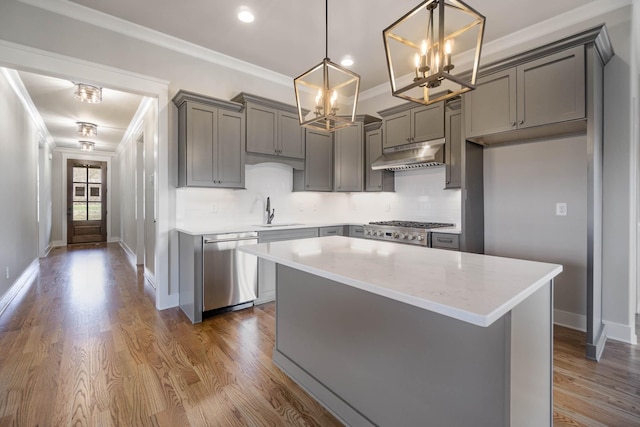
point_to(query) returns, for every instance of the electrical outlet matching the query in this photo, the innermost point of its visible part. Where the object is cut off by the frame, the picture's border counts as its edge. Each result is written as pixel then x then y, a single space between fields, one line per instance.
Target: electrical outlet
pixel 561 209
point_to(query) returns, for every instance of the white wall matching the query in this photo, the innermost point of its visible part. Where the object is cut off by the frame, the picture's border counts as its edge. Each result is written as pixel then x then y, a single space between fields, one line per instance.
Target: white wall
pixel 419 196
pixel 18 171
pixel 45 179
pixel 126 161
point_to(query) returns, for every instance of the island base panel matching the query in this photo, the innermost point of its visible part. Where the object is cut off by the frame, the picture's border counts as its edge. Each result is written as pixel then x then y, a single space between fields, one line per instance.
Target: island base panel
pixel 392 363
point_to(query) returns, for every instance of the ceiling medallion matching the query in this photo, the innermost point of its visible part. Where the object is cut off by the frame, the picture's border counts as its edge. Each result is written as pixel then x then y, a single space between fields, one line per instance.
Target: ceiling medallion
pixel 329 90
pixel 88 93
pixel 87 129
pixel 420 47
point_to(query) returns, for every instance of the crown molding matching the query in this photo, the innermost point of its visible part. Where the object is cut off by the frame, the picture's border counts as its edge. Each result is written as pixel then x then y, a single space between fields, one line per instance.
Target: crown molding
pixel 135 126
pixel 121 26
pixel 511 42
pixel 21 92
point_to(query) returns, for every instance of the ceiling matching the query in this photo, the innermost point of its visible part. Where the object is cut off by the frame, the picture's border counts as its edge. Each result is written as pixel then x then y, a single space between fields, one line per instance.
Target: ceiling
pixel 287 37
pixel 54 100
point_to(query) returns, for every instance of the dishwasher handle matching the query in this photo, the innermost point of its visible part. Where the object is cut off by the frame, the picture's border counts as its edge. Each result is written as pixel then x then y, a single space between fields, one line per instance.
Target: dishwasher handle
pixel 212 241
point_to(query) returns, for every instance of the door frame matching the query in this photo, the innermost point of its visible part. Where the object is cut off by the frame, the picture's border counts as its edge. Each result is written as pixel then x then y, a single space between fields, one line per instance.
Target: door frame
pixel 70 155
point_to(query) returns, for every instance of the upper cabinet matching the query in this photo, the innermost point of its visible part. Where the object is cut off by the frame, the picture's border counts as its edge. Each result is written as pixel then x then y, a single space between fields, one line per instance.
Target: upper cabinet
pixel 545 91
pixel 210 142
pixel 318 164
pixel 453 145
pixel 273 131
pixel 404 125
pixel 349 158
pixel 375 180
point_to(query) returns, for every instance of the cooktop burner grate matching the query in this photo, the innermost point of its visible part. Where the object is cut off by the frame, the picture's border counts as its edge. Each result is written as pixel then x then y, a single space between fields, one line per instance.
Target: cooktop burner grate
pixel 412 224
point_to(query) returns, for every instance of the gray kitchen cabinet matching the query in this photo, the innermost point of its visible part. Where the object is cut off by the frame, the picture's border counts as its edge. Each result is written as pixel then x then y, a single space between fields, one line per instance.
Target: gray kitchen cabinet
pixel 356 231
pixel 267 269
pixel 445 241
pixel 349 158
pixel 407 126
pixel 453 147
pixel 540 92
pixel 273 130
pixel 375 180
pixel 318 164
pixel 210 142
pixel 334 230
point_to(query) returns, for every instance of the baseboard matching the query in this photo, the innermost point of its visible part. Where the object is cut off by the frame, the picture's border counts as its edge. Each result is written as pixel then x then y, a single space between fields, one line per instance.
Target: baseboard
pixel 47 250
pixel 620 332
pixel 131 256
pixel 113 239
pixel 570 320
pixel 24 279
pixel 58 244
pixel 150 277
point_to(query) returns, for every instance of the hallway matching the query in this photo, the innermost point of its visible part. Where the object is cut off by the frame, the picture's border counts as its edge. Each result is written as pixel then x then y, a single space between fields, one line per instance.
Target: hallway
pixel 84 344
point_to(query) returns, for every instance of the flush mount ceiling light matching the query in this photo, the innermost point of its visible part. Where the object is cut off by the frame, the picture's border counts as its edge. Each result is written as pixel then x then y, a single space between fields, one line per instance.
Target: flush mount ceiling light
pixel 87 145
pixel 330 90
pixel 245 15
pixel 87 129
pixel 419 48
pixel 88 93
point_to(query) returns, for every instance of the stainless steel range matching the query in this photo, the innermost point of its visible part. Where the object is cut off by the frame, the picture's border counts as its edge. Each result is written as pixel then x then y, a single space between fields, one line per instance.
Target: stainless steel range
pixel 411 232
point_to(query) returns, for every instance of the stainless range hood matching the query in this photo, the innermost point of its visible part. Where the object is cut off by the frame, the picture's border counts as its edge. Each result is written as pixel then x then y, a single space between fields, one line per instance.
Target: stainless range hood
pixel 411 156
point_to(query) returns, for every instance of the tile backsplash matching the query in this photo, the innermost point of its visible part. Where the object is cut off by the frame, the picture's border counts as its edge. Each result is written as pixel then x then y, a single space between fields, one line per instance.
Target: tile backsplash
pixel 419 196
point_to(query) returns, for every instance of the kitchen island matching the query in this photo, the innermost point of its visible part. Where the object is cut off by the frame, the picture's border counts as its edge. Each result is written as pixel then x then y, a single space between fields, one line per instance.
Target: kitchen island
pixel 389 334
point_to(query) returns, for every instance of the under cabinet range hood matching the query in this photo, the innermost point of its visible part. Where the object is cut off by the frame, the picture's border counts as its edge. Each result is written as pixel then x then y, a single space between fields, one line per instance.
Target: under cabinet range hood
pixel 411 156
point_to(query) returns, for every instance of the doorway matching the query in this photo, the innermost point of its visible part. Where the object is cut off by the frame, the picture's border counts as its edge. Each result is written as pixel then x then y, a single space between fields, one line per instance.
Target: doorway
pixel 86 201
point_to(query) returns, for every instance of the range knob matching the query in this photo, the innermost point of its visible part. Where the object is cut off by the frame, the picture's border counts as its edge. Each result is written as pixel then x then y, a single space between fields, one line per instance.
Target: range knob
pixel 420 238
pixel 412 237
pixel 402 236
pixel 378 233
pixel 396 235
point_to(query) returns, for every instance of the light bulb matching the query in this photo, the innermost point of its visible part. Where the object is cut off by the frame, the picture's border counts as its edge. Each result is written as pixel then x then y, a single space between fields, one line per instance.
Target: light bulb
pixel 448 47
pixel 424 47
pixel 334 98
pixel 319 97
pixel 416 60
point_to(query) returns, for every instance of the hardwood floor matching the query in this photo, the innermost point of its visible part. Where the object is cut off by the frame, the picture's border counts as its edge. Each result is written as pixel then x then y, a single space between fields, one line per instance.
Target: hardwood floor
pixel 83 344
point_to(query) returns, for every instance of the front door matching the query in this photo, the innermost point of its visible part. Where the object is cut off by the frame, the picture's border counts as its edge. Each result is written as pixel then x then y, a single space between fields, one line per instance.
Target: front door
pixel 86 201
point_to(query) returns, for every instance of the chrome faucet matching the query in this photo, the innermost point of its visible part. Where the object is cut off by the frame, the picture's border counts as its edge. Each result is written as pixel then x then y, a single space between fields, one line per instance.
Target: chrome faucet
pixel 270 213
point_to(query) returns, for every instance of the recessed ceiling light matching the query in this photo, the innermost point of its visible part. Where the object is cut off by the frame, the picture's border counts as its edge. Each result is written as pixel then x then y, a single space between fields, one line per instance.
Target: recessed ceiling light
pixel 245 15
pixel 347 61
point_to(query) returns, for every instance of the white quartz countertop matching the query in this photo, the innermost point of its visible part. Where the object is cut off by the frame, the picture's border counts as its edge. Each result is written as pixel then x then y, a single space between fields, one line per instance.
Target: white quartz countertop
pixel 477 289
pixel 197 230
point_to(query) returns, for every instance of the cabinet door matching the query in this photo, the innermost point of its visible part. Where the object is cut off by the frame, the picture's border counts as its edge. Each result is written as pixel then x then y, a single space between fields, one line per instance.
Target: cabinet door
pixel 318 170
pixel 552 89
pixel 337 230
pixel 453 149
pixel 491 107
pixel 397 129
pixel 229 149
pixel 373 150
pixel 427 122
pixel 262 131
pixel 349 158
pixel 290 135
pixel 200 167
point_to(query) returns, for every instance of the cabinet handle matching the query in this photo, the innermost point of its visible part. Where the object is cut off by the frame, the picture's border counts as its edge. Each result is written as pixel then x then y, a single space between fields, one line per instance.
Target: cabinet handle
pixel 307 185
pixel 445 240
pixel 521 122
pixel 513 123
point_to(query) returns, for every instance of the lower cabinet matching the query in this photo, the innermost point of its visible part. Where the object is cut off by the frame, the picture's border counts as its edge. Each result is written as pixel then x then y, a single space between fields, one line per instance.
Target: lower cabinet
pixel 267 269
pixel 445 241
pixel 337 230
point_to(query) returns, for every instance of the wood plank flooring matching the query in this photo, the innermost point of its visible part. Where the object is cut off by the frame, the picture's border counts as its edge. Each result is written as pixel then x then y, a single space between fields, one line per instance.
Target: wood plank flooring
pixel 84 345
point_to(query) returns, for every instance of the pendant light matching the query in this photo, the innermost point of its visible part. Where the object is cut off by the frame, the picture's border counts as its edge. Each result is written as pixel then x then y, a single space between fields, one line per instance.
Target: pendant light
pixel 420 47
pixel 329 91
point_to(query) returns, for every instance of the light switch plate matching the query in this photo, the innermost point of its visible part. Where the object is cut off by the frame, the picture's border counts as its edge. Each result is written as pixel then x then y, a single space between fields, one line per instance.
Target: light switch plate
pixel 561 209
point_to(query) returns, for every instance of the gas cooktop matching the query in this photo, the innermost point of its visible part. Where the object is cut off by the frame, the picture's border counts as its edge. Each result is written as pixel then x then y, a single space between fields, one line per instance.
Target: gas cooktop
pixel 411 232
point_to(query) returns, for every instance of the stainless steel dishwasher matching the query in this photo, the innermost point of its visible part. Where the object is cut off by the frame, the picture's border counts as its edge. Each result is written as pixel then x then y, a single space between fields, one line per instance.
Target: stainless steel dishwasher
pixel 230 277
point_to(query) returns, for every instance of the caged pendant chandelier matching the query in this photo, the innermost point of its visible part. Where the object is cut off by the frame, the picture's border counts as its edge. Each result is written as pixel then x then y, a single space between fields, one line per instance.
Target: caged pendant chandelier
pixel 332 90
pixel 419 48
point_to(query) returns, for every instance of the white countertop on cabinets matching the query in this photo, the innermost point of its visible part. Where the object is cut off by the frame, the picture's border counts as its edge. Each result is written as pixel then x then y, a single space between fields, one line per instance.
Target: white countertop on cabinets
pixel 239 228
pixel 477 289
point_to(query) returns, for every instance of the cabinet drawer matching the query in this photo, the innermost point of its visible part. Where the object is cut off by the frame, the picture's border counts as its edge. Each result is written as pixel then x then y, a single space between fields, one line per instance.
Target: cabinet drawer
pixel 279 235
pixel 337 230
pixel 356 231
pixel 445 241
